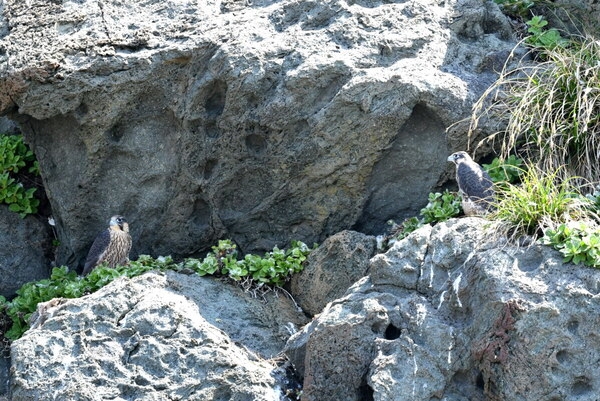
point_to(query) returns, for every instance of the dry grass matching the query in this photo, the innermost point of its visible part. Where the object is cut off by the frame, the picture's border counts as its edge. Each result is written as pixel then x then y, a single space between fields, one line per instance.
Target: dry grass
pixel 551 110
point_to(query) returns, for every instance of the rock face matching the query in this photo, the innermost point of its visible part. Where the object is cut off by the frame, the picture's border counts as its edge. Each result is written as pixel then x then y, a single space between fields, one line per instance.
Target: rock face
pixel 452 313
pixel 577 16
pixel 261 122
pixel 331 269
pixel 155 337
pixel 24 247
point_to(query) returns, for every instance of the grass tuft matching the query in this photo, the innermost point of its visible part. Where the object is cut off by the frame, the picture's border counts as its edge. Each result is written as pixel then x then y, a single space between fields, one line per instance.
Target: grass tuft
pixel 541 201
pixel 551 110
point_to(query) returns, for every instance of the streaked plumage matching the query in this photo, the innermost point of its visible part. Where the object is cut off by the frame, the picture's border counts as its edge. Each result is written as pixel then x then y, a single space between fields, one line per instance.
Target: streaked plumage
pixel 474 184
pixel 111 246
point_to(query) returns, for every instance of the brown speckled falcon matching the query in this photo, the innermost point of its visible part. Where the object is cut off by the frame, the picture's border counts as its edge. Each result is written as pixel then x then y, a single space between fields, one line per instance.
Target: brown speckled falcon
pixel 111 246
pixel 474 184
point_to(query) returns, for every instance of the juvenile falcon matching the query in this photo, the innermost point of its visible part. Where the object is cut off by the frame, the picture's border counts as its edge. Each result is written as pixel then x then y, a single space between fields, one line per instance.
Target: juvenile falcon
pixel 474 184
pixel 111 246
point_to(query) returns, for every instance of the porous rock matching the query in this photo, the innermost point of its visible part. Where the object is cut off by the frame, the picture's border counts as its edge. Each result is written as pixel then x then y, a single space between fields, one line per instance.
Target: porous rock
pixel 331 269
pixel 25 250
pixel 454 312
pixel 577 17
pixel 154 337
pixel 7 126
pixel 260 121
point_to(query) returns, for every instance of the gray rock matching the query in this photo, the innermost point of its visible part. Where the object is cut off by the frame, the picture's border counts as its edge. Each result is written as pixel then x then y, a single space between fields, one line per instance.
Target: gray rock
pixel 331 269
pixel 6 125
pixel 154 337
pixel 453 312
pixel 261 122
pixel 575 16
pixel 4 372
pixel 25 247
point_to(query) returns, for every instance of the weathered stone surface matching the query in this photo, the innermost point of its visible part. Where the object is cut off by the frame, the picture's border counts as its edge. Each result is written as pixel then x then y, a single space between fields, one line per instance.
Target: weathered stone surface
pixel 261 122
pixel 331 269
pixel 576 16
pixel 468 317
pixel 154 337
pixel 7 126
pixel 4 377
pixel 24 251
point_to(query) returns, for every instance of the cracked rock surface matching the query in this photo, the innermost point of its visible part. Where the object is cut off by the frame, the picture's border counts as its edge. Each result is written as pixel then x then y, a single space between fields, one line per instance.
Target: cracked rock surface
pixel 455 313
pixel 155 337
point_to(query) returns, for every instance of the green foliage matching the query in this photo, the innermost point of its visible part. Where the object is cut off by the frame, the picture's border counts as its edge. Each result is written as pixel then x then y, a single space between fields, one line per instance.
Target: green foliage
pixel 594 199
pixel 272 269
pixel 15 157
pixel 441 207
pixel 516 8
pixel 411 224
pixel 551 110
pixel 402 230
pixel 543 38
pixel 502 171
pixel 539 202
pixel 578 242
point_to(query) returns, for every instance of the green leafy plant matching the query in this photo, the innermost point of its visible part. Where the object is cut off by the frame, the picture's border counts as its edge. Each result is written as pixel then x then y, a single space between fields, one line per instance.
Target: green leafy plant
pixel 401 231
pixel 16 157
pixel 543 38
pixel 502 171
pixel 441 207
pixel 578 242
pixel 273 269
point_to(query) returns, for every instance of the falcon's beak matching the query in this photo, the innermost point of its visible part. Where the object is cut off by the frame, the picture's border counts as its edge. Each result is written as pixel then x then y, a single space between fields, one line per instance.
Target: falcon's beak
pixel 450 158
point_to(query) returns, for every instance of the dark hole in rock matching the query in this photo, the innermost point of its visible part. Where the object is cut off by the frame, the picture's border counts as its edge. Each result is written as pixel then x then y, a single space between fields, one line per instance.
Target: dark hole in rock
pixel 479 381
pixel 573 326
pixel 581 386
pixel 391 332
pixel 365 393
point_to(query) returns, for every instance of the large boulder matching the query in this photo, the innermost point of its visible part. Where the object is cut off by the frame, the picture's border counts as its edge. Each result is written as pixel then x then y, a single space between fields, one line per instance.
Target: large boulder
pixel 453 312
pixel 25 250
pixel 259 121
pixel 340 261
pixel 155 337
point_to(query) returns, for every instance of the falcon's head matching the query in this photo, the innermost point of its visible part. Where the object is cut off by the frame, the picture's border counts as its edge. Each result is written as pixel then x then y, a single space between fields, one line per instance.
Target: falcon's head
pixel 119 223
pixel 459 157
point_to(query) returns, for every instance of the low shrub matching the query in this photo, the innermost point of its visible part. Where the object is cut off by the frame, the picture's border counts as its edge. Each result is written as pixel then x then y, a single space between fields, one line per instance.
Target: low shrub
pixel 15 159
pixel 441 207
pixel 274 268
pixel 579 242
pixel 505 171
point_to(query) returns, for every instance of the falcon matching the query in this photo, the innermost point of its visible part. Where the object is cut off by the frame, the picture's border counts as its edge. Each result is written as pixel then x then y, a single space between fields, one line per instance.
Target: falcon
pixel 474 185
pixel 111 246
